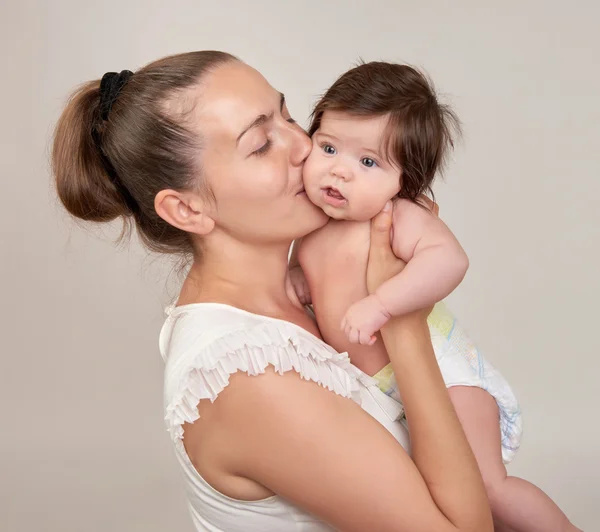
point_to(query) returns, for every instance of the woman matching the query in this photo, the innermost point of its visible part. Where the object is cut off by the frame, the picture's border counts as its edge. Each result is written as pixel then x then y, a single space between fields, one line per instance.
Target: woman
pixel 201 153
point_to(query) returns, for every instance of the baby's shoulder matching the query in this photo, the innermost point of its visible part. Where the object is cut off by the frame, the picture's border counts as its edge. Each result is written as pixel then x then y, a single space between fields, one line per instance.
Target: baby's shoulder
pixel 413 215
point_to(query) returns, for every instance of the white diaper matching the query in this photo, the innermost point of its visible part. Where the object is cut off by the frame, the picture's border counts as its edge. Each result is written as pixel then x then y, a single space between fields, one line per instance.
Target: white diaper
pixel 461 364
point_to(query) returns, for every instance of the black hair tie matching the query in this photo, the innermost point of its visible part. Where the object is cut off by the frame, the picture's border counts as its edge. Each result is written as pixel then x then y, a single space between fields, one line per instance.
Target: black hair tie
pixel 110 87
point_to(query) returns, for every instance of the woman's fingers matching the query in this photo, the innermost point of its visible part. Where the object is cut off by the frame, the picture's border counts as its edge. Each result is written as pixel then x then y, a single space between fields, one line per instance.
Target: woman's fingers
pixel 382 264
pixel 380 231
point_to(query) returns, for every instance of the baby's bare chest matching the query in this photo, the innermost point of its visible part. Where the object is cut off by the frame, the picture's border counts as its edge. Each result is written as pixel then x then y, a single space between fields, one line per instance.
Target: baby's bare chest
pixel 334 261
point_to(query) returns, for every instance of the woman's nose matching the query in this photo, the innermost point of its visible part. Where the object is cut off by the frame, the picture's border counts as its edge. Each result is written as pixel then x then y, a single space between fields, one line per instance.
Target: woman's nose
pixel 301 145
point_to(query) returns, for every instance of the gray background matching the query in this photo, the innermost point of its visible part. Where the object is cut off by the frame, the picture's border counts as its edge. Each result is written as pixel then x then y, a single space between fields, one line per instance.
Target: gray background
pixel 82 445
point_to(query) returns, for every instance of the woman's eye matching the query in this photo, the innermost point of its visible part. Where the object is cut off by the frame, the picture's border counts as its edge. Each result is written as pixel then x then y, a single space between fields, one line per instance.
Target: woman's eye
pixel 263 149
pixel 329 149
pixel 291 120
pixel 368 162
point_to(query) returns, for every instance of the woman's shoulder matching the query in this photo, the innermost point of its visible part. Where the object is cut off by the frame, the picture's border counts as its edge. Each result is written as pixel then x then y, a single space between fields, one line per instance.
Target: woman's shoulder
pixel 204 344
pixel 199 323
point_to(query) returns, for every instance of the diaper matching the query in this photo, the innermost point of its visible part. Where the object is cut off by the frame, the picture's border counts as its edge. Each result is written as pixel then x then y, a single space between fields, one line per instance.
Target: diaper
pixel 461 364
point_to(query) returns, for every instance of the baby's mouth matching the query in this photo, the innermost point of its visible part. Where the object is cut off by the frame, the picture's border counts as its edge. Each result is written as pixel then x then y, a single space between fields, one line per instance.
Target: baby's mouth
pixel 333 196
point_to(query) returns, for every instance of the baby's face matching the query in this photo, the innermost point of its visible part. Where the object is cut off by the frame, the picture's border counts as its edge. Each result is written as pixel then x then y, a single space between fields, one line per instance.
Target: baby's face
pixel 346 174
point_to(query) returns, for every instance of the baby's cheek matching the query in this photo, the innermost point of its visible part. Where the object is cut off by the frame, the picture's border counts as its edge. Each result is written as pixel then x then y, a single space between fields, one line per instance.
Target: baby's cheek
pixel 310 179
pixel 374 201
pixel 309 172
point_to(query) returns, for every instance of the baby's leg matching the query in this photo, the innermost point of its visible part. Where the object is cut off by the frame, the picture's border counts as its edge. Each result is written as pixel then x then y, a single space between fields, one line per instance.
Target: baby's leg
pixel 516 504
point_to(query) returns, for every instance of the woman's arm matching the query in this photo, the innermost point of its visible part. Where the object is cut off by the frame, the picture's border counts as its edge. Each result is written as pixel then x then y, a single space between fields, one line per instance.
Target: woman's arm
pixel 297 277
pixel 320 451
pixel 294 262
pixel 324 453
pixel 440 448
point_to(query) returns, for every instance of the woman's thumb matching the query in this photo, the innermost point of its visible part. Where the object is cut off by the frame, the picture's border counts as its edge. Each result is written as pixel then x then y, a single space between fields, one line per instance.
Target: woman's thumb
pixel 381 224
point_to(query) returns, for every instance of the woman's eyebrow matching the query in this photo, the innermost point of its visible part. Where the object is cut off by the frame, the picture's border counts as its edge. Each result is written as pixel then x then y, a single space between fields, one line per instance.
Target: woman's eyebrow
pixel 261 119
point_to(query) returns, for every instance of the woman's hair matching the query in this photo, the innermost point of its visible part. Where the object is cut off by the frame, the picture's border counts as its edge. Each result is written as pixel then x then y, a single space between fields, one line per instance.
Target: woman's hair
pixel 113 153
pixel 420 132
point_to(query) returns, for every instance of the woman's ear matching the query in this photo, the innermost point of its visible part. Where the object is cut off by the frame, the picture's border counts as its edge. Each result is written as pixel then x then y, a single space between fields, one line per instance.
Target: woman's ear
pixel 185 211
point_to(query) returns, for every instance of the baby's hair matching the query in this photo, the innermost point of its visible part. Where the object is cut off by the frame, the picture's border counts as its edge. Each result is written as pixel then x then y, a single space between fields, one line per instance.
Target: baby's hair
pixel 421 130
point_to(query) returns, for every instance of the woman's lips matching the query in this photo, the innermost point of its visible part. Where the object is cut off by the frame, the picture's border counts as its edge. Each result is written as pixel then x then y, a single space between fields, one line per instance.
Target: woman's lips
pixel 333 197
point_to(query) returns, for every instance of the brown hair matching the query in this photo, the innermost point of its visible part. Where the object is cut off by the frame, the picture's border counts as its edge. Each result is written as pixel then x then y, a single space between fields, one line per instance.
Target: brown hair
pixel 144 140
pixel 420 131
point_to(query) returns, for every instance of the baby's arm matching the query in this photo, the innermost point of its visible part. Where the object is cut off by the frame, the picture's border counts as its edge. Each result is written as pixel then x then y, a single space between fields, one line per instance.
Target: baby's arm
pixel 436 262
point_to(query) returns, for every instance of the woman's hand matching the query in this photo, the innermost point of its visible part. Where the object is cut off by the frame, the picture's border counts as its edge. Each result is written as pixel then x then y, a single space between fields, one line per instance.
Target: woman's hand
pixel 382 264
pixel 300 285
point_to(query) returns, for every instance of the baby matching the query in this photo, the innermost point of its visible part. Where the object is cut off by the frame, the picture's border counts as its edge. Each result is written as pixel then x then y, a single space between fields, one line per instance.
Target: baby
pixel 379 133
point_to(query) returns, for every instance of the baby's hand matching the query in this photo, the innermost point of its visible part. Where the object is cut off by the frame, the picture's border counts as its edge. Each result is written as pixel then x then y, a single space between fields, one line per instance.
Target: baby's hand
pixel 300 285
pixel 364 319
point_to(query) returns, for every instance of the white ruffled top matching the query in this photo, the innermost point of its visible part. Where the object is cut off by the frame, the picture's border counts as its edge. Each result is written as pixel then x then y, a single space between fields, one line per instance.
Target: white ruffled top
pixel 202 345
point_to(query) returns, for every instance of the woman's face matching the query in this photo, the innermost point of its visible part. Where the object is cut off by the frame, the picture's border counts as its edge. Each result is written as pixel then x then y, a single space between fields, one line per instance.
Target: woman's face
pixel 252 158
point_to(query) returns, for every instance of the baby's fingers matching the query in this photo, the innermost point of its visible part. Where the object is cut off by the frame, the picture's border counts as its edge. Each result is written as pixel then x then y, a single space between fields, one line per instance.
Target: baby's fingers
pixel 365 338
pixel 353 335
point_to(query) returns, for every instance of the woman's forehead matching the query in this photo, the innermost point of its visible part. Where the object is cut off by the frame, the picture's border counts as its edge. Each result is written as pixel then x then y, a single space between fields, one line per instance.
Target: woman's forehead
pixel 233 95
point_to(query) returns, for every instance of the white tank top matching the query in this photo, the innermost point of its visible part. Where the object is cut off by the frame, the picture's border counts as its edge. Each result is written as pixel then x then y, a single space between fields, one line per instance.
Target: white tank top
pixel 202 345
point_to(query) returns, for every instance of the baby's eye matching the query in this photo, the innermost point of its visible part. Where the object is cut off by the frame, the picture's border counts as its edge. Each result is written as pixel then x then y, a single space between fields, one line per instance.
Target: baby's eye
pixel 329 149
pixel 369 163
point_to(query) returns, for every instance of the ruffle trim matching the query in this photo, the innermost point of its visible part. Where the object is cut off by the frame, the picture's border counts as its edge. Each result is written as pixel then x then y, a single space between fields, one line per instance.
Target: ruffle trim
pixel 251 350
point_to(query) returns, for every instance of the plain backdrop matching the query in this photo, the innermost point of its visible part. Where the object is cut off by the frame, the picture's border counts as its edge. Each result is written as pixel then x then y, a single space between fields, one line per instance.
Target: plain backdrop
pixel 83 446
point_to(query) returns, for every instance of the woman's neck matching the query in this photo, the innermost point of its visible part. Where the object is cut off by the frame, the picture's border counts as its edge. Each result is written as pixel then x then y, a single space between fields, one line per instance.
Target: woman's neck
pixel 247 276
